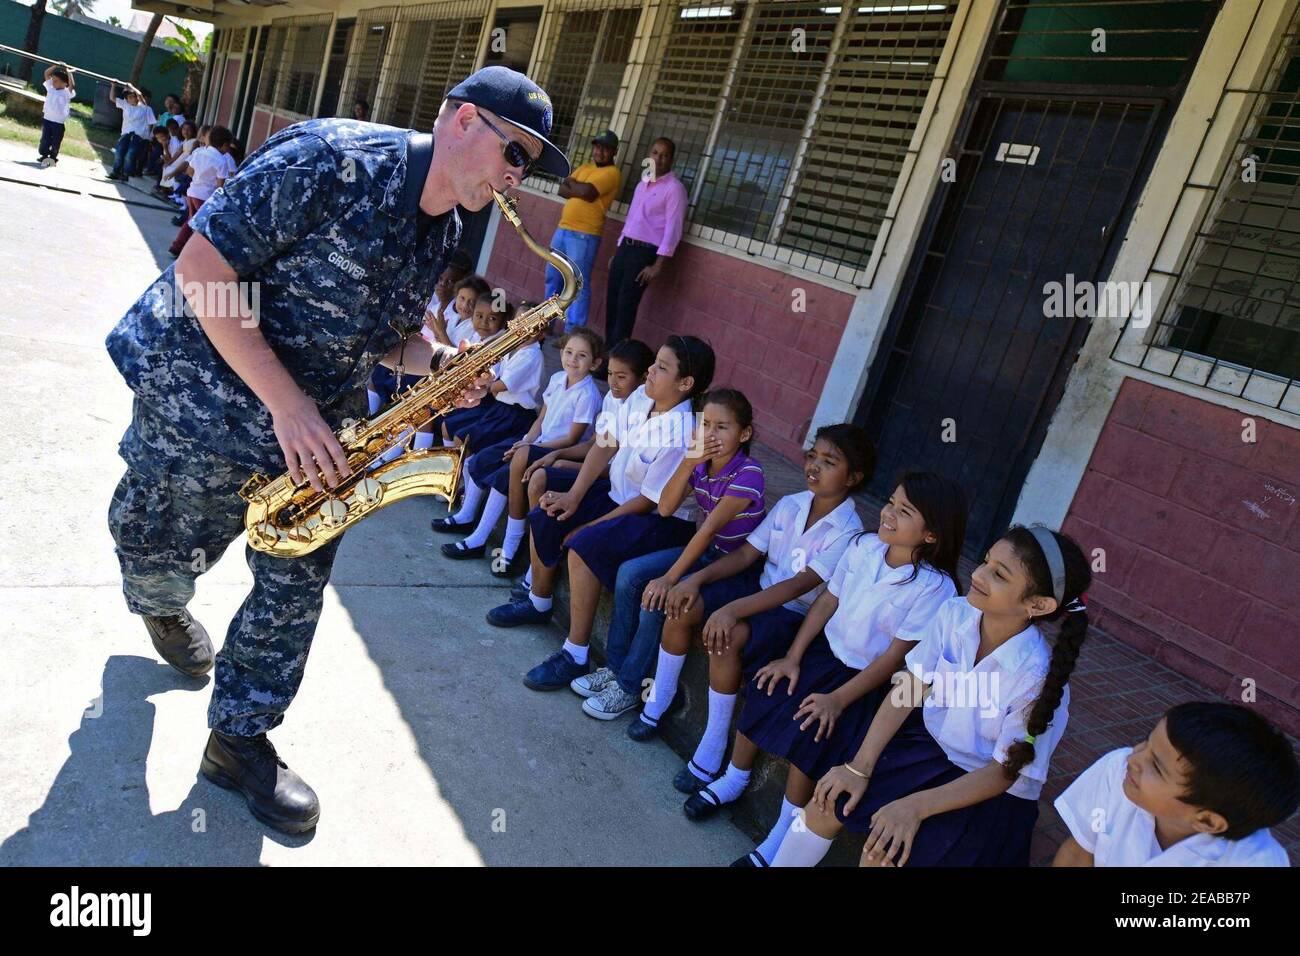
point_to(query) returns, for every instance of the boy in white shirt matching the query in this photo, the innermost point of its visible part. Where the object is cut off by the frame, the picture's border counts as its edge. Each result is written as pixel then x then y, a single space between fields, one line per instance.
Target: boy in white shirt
pixel 1202 790
pixel 209 167
pixel 137 123
pixel 60 88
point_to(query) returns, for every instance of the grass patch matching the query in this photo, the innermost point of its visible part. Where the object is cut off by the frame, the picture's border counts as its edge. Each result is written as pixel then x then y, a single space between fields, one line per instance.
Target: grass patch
pixel 82 138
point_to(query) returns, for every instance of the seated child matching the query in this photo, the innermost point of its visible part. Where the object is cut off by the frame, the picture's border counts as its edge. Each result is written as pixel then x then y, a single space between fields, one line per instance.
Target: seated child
pixel 1201 790
pixel 728 486
pixel 442 307
pixel 570 406
pixel 951 768
pixel 884 592
pixel 605 522
pixel 757 597
pixel 557 470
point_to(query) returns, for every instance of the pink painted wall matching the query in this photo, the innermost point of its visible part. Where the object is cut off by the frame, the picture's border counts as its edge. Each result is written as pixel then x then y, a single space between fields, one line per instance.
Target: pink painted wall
pixel 1202 538
pixel 229 86
pixel 777 357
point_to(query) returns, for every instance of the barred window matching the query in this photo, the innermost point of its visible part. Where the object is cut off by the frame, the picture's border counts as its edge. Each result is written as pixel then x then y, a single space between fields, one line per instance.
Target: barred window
pixel 373 31
pixel 295 55
pixel 433 48
pixel 1233 321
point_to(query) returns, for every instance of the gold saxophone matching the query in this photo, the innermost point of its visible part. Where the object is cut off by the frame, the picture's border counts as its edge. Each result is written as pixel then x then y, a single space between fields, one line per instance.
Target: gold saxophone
pixel 288 519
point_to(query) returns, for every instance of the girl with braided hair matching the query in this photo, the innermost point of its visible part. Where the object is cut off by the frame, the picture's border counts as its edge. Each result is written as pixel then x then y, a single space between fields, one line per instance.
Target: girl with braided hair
pixel 950 770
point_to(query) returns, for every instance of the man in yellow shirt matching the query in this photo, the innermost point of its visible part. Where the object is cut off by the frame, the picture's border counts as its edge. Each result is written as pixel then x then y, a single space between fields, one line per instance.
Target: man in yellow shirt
pixel 589 190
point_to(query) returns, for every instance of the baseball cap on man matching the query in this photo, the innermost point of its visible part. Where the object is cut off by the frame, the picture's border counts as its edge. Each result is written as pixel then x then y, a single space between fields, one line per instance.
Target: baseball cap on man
pixel 608 138
pixel 519 101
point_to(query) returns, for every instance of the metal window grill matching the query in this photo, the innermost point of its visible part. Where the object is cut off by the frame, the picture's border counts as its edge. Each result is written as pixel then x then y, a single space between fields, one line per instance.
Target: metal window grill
pixel 586 54
pixel 792 121
pixel 235 39
pixel 433 47
pixel 373 31
pixel 1232 322
pixel 294 57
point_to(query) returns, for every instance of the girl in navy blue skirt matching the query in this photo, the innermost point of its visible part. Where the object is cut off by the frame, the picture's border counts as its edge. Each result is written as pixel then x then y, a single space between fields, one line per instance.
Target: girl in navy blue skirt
pixel 605 523
pixel 880 599
pixel 756 598
pixel 950 770
pixel 570 406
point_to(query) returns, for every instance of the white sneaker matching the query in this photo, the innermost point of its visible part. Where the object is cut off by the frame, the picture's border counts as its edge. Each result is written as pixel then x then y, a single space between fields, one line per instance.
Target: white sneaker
pixel 46 162
pixel 611 702
pixel 589 685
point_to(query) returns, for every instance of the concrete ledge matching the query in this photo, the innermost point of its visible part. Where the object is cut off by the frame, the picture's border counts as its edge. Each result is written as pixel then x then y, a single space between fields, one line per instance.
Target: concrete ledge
pixel 21 103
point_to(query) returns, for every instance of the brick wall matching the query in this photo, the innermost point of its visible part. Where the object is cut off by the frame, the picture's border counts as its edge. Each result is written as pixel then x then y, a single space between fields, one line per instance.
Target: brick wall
pixel 1201 532
pixel 777 357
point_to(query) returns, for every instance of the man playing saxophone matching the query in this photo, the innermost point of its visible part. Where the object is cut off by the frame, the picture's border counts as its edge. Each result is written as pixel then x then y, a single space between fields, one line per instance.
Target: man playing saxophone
pixel 336 231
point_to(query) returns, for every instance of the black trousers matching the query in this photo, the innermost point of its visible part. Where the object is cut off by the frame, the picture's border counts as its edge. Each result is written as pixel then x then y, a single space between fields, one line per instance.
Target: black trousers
pixel 623 296
pixel 51 138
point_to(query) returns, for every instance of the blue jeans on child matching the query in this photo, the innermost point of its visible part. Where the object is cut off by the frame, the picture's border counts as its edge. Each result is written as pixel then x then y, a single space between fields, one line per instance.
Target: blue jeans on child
pixel 633 643
pixel 581 248
pixel 126 153
pixel 51 138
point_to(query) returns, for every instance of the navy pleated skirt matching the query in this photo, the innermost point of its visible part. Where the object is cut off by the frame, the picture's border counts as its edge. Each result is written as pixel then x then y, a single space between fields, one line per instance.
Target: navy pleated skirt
pixel 717 594
pixel 383 380
pixel 498 421
pixel 489 470
pixel 605 547
pixel 995 832
pixel 548 533
pixel 769 720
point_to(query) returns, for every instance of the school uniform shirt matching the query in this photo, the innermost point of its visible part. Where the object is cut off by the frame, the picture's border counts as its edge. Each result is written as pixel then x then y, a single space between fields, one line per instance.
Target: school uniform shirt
pixel 568 405
pixel 521 371
pixel 742 477
pixel 607 419
pixel 649 449
pixel 209 165
pixel 876 605
pixel 58 103
pixel 976 712
pixel 458 328
pixel 1117 832
pixel 790 549
pixel 138 119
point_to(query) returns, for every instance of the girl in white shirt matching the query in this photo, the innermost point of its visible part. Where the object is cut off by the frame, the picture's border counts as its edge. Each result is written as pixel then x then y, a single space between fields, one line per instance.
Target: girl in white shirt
pixel 209 166
pixel 605 522
pixel 755 598
pixel 1201 790
pixel 570 406
pixel 881 598
pixel 951 768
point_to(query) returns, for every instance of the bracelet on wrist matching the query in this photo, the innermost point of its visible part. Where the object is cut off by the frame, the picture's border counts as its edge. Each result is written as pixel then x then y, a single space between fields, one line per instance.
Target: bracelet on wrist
pixel 856 772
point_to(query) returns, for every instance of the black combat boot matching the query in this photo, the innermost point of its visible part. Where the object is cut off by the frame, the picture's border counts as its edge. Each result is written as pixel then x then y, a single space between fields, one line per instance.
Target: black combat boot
pixel 182 642
pixel 275 794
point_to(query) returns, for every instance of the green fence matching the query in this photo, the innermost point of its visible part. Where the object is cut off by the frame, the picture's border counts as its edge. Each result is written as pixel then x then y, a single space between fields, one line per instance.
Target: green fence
pixel 83 45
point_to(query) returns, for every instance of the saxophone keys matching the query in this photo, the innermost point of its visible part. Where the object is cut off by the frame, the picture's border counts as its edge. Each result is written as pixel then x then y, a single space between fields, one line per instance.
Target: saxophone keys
pixel 333 512
pixel 368 491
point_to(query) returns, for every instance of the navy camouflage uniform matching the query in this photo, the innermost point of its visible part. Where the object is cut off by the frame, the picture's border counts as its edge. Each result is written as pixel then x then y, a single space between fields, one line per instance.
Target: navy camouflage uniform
pixel 325 218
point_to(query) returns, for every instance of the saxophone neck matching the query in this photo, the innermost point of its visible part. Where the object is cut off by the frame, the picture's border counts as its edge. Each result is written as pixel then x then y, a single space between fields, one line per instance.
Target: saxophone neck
pixel 563 264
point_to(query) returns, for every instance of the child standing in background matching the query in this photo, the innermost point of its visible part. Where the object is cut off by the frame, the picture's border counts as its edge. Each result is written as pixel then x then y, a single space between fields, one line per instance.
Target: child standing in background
pixel 60 88
pixel 209 167
pixel 951 768
pixel 1202 790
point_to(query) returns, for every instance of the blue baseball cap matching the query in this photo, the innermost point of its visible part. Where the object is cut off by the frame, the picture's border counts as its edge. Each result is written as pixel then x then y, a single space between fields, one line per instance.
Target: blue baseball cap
pixel 520 102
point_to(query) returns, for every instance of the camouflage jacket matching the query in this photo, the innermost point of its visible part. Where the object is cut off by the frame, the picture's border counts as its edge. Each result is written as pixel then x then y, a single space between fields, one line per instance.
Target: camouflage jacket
pixel 321 226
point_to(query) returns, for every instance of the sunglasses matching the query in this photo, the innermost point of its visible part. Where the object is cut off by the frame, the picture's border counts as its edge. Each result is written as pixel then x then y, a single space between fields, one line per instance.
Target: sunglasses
pixel 513 151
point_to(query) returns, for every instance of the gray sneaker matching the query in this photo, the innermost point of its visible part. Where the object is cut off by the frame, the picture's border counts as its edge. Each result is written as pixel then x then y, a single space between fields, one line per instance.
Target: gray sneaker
pixel 611 702
pixel 589 685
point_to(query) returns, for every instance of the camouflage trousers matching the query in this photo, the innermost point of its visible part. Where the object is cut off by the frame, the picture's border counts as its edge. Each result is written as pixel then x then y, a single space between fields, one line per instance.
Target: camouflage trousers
pixel 173 515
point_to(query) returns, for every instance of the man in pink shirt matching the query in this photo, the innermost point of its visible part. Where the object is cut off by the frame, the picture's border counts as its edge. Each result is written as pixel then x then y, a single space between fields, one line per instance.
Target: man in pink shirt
pixel 650 236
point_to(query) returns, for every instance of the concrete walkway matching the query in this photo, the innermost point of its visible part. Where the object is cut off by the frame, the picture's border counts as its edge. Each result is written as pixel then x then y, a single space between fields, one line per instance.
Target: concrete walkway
pixel 412 723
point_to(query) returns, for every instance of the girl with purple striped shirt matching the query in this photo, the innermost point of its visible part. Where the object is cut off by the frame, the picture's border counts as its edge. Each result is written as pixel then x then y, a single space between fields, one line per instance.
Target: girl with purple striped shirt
pixel 728 486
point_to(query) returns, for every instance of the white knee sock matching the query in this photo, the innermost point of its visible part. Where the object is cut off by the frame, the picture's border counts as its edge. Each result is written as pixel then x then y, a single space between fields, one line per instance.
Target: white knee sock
pixel 496 504
pixel 665 685
pixel 468 504
pixel 577 651
pixel 541 603
pixel 516 528
pixel 767 849
pixel 708 755
pixel 449 443
pixel 423 440
pixel 528 576
pixel 801 847
pixel 374 399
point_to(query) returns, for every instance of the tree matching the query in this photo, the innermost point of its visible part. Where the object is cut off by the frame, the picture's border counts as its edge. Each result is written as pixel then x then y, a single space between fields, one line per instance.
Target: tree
pixel 188 53
pixel 146 41
pixel 114 22
pixel 32 41
pixel 68 7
